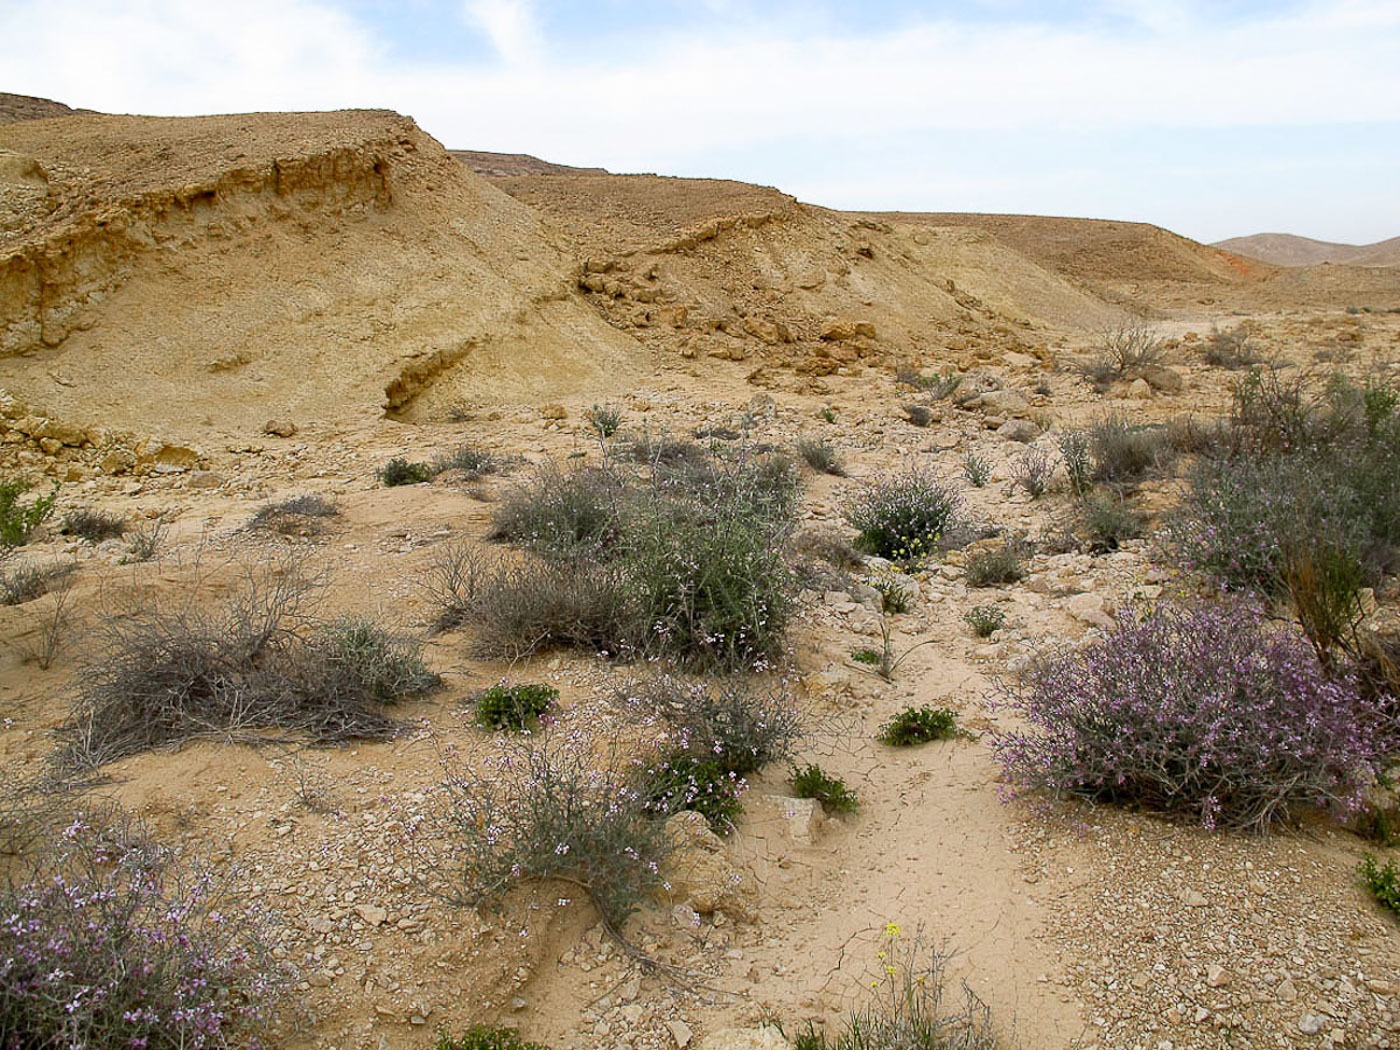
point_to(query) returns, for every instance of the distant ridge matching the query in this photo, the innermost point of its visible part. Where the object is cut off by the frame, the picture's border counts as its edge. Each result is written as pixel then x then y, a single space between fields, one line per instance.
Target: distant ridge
pixel 1286 249
pixel 506 165
pixel 14 108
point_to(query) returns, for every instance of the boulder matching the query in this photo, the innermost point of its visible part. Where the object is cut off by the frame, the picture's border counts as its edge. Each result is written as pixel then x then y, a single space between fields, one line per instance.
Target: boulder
pixel 762 1038
pixel 1003 403
pixel 697 870
pixel 838 329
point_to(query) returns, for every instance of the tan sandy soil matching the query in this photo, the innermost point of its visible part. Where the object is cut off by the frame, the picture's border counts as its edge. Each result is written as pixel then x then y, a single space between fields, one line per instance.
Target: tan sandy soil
pixel 198 278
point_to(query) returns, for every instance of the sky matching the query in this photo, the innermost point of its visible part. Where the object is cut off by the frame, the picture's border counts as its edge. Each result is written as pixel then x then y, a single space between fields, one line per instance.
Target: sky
pixel 1212 118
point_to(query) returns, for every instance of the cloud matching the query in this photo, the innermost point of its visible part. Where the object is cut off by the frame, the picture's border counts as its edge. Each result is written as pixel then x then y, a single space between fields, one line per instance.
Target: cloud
pixel 727 83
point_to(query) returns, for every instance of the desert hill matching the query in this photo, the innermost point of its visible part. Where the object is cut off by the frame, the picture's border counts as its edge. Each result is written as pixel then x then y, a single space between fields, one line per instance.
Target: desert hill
pixel 507 164
pixel 26 107
pixel 1286 249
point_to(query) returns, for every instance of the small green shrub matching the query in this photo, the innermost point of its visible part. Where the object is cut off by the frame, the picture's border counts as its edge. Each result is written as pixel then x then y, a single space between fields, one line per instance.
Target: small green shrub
pixel 1383 882
pixel 517 707
pixel 918 415
pixel 1074 451
pixel 919 725
pixel 1109 520
pixel 471 461
pixel 827 414
pixel 484 1037
pixel 93 525
pixel 977 470
pixel 399 471
pixel 1033 471
pixel 869 657
pixel 985 620
pixel 821 456
pixel 940 386
pixel 998 565
pixel 1124 451
pixel 574 513
pixel 19 520
pixel 812 781
pixel 603 420
pixel 903 517
pixel 679 780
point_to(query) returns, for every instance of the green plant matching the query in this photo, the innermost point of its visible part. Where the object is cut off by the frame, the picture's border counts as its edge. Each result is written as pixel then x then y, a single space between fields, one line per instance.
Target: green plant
pixel 919 415
pixel 1108 520
pixel 604 420
pixel 1074 451
pixel 1124 451
pixel 919 725
pixel 896 596
pixel 484 1037
pixel 575 513
pixel 1383 882
pixel 19 520
pixel 1033 471
pixel 827 414
pixel 869 657
pixel 93 525
pixel 399 471
pixel 1129 347
pixel 992 566
pixel 821 456
pixel 909 1012
pixel 940 386
pixel 977 470
pixel 1324 582
pixel 1230 348
pixel 473 462
pixel 985 620
pixel 678 780
pixel 811 781
pixel 517 707
pixel 903 517
pixel 296 515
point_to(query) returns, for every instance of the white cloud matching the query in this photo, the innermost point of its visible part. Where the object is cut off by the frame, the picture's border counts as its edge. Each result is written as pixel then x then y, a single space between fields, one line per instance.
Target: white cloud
pixel 668 101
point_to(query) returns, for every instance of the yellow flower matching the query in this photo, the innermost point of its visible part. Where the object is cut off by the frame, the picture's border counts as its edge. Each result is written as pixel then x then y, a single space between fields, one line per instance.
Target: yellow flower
pixel 891 929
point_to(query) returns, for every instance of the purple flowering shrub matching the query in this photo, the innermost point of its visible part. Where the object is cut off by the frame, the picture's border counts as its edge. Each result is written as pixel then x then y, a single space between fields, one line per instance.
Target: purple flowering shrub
pixel 106 943
pixel 1205 711
pixel 550 808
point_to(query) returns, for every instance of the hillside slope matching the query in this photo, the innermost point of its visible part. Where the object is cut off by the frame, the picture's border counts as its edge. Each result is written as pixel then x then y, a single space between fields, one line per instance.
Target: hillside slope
pixel 1286 249
pixel 209 273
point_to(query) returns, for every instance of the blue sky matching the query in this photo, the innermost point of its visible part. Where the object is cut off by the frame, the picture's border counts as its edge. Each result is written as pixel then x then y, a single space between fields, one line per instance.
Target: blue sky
pixel 1213 119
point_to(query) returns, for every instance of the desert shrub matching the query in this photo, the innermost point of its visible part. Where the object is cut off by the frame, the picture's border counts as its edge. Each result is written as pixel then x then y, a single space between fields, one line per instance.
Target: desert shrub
pixel 811 781
pixel 976 470
pixel 940 386
pixel 27 581
pixel 985 620
pixel 296 515
pixel 919 725
pixel 454 581
pixel 108 943
pixel 143 541
pixel 909 1012
pixel 18 520
pixel 1129 347
pixel 484 1037
pixel 257 662
pixel 869 657
pixel 1078 460
pixel 727 721
pixel 1124 451
pixel 1033 471
pixel 1203 711
pixel 678 780
pixel 1108 520
pixel 664 451
pixel 918 415
pixel 570 513
pixel 473 462
pixel 1186 434
pixel 400 471
pixel 93 525
pixel 903 517
pixel 993 566
pixel 821 456
pixel 542 603
pixel 603 420
pixel 895 595
pixel 1230 348
pixel 551 807
pixel 1382 881
pixel 517 707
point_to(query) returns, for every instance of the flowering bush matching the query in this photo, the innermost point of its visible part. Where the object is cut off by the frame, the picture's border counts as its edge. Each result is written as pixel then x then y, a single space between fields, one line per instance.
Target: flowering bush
pixel 106 944
pixel 903 516
pixel 1199 710
pixel 551 809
